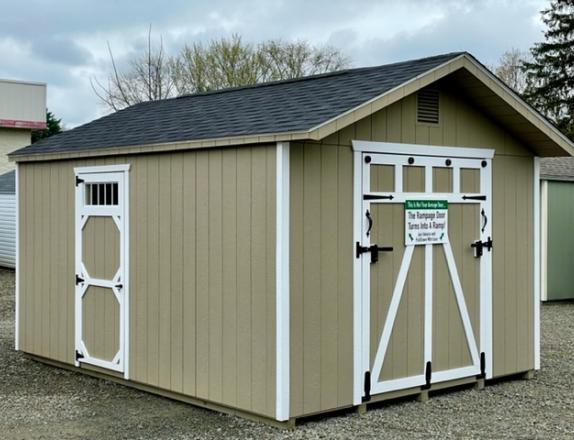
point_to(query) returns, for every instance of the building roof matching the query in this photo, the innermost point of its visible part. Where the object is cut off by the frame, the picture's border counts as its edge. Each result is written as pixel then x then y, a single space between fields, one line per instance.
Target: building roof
pixel 8 183
pixel 557 168
pixel 274 107
pixel 309 108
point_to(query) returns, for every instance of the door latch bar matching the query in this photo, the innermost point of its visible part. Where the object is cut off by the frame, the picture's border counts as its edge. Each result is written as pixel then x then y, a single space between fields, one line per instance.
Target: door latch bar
pixel 479 245
pixel 373 249
pixel 377 197
pixel 473 197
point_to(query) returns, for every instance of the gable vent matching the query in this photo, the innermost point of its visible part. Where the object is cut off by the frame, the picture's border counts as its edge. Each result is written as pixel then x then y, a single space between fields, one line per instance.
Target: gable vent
pixel 427 106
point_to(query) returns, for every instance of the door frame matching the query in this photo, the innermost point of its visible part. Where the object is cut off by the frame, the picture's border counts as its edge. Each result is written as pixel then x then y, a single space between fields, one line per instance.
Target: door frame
pixel 361 306
pixel 105 171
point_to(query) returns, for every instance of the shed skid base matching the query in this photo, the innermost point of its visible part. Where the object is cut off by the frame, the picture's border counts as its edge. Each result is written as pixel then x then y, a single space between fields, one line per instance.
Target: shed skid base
pixel 289 424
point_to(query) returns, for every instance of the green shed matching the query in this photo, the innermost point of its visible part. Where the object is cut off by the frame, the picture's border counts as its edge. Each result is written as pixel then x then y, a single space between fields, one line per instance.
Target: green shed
pixel 291 248
pixel 557 228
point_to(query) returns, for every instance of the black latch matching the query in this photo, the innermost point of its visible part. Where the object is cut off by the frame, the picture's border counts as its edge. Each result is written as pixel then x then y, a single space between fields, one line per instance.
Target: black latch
pixel 482 366
pixel 473 197
pixel 119 286
pixel 373 249
pixel 478 246
pixel 78 180
pixel 79 279
pixel 428 376
pixel 367 386
pixel 79 355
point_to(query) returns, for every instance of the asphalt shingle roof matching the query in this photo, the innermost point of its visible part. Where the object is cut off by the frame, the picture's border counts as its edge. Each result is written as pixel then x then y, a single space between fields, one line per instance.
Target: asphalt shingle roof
pixel 557 168
pixel 282 106
pixel 8 183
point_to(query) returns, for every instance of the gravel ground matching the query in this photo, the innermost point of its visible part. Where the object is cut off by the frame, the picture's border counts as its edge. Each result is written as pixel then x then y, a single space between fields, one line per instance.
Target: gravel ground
pixel 41 402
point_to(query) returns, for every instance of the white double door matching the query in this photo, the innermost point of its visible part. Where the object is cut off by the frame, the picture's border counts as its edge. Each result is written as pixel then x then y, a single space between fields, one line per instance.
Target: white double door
pixel 426 306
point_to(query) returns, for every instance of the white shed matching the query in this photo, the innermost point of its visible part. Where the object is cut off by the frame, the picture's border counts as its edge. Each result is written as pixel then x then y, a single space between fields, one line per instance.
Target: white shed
pixel 8 219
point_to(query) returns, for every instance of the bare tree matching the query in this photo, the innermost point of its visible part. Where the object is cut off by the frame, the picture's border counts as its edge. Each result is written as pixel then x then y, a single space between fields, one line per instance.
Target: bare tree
pixel 509 69
pixel 233 63
pixel 147 78
pixel 227 62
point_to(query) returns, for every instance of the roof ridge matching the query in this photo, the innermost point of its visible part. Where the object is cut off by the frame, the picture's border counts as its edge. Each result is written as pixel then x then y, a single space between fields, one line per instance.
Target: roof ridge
pixel 307 77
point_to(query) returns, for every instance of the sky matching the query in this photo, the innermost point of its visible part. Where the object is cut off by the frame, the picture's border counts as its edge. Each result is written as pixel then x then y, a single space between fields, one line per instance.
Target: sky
pixel 64 42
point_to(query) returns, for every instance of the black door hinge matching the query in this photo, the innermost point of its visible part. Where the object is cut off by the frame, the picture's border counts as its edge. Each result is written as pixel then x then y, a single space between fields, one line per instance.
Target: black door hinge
pixel 367 386
pixel 373 250
pixel 428 376
pixel 473 197
pixel 79 355
pixel 479 245
pixel 376 197
pixel 79 279
pixel 79 180
pixel 482 366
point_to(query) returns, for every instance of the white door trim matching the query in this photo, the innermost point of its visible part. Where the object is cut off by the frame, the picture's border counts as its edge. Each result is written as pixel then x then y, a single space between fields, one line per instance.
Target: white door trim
pixel 17 265
pixel 422 150
pixel 101 174
pixel 476 158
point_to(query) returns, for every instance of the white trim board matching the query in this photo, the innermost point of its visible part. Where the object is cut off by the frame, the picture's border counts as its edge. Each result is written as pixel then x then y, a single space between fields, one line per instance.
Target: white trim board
pixel 536 269
pixel 282 282
pixel 17 268
pixel 544 240
pixel 422 150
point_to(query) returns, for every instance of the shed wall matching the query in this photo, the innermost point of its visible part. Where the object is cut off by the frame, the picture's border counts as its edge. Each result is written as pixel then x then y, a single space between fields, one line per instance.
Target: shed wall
pixel 7 230
pixel 202 270
pixel 321 244
pixel 560 241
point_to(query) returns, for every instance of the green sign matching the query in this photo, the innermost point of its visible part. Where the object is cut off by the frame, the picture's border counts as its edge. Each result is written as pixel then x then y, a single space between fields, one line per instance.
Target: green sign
pixel 426 222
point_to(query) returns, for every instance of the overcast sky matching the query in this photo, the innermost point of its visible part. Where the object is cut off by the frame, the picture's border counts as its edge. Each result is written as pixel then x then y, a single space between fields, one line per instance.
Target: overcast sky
pixel 63 42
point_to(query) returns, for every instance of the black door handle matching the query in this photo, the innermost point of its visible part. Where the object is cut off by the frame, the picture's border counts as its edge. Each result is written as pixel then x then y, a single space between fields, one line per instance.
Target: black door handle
pixel 370 219
pixel 373 250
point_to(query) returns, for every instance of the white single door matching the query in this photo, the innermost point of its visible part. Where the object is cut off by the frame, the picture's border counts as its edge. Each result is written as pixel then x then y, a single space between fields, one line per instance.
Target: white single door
pixel 101 274
pixel 425 254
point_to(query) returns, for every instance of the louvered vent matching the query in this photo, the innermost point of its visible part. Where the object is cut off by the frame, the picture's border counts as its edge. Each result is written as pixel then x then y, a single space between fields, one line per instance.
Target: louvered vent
pixel 427 106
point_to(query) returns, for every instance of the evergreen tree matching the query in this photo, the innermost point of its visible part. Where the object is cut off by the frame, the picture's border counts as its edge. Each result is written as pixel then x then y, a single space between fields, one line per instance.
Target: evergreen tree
pixel 53 126
pixel 550 74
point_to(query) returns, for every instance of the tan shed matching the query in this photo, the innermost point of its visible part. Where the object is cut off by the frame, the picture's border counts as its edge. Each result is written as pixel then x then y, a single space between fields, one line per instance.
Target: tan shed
pixel 291 248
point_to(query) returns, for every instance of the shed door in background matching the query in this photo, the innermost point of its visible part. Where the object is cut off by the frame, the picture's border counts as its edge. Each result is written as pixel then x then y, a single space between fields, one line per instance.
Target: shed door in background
pixel 101 285
pixel 426 306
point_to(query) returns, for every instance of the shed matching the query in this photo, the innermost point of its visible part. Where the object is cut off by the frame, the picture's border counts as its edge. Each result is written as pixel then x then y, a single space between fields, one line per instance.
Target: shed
pixel 557 224
pixel 291 248
pixel 8 219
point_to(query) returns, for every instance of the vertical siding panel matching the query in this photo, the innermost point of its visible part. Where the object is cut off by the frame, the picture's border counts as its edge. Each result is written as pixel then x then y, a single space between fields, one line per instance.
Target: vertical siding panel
pixel 177 270
pixel 202 274
pixel 164 291
pixel 394 122
pixel 408 122
pixel 189 273
pixel 259 286
pixel 345 275
pixel 363 129
pixel 244 263
pixel 296 265
pixel 152 254
pixel 270 267
pixel 70 265
pixel 46 224
pixel 379 126
pixel 215 275
pixel 229 294
pixel 311 280
pixel 328 257
pixel 510 245
pixel 139 295
pixel 53 318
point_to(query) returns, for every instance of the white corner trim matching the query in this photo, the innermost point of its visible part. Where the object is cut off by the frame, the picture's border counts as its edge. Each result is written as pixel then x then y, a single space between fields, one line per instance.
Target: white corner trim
pixel 102 169
pixel 536 268
pixel 544 240
pixel 17 267
pixel 422 150
pixel 126 298
pixel 282 283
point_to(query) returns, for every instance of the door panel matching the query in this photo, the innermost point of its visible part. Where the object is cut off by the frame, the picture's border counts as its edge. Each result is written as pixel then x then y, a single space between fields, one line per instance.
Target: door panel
pixel 101 311
pixel 427 308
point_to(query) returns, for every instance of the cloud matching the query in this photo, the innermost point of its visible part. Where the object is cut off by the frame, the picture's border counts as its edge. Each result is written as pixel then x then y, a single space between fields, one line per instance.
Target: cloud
pixel 64 42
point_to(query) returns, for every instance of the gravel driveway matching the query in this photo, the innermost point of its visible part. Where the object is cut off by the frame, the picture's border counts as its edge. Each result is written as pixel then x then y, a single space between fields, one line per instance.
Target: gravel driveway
pixel 41 402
